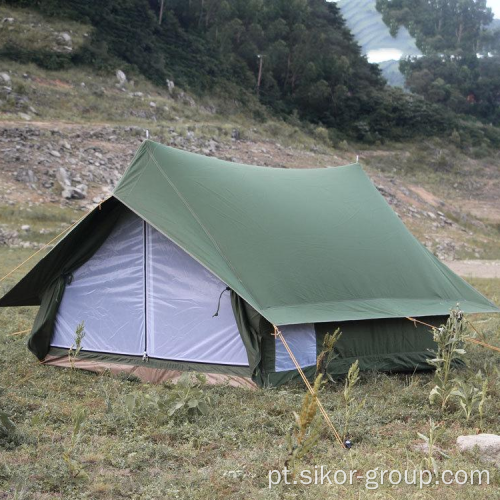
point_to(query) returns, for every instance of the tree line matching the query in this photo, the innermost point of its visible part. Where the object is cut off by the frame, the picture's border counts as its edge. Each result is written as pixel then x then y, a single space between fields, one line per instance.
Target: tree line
pixel 296 57
pixel 461 64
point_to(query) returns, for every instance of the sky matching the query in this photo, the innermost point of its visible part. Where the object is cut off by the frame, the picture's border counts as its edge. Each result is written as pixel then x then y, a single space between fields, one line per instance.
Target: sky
pixel 495 6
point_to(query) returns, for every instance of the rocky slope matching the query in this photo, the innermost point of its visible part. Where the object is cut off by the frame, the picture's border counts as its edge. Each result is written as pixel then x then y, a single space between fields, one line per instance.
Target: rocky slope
pixel 77 166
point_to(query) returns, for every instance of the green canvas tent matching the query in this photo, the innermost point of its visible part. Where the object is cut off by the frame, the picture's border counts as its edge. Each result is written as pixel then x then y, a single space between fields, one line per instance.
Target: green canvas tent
pixel 193 259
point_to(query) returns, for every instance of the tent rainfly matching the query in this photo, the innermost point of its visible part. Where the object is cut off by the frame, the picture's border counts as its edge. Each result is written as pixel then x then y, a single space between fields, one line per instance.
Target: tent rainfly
pixel 193 260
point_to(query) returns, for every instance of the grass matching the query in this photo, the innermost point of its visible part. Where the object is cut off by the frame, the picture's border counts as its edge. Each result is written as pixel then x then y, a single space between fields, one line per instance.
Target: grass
pixel 226 454
pixel 32 31
pixel 45 222
pixel 60 96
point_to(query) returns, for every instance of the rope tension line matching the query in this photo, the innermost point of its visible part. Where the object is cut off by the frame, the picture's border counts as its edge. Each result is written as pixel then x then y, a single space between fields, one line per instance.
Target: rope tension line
pixel 472 341
pixel 278 334
pixel 50 242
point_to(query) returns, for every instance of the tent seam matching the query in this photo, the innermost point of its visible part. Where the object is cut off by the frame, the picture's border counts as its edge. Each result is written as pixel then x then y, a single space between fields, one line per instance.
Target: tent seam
pixel 143 170
pixel 346 359
pixel 205 230
pixel 365 300
pixel 143 145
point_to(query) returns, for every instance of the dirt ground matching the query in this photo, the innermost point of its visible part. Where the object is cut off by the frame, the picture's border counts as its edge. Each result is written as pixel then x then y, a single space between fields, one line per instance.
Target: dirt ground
pixel 475 268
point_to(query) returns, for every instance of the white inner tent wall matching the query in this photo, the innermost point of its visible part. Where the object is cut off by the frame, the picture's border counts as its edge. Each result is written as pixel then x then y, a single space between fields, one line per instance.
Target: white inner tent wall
pixel 142 294
pixel 302 342
pixel 182 299
pixel 107 293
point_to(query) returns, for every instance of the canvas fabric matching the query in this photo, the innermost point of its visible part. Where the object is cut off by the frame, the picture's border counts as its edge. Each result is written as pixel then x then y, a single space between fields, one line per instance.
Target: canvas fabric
pixel 299 245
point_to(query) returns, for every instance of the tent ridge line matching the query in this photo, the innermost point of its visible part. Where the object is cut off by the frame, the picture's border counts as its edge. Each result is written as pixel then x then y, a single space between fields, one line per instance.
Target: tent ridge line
pixel 146 147
pixel 196 218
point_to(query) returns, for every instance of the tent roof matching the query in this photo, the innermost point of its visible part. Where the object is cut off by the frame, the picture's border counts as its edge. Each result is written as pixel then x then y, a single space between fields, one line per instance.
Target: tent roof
pixel 299 245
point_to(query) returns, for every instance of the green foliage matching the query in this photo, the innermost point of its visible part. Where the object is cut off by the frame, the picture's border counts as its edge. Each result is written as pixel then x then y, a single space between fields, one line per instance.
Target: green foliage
pixel 76 347
pixel 69 455
pixel 10 436
pixel 184 400
pixel 465 83
pixel 351 406
pixel 439 25
pixel 327 354
pixel 435 432
pixel 7 427
pixel 461 67
pixel 455 138
pixel 471 395
pixel 312 69
pixel 305 433
pixel 449 341
pixel 186 397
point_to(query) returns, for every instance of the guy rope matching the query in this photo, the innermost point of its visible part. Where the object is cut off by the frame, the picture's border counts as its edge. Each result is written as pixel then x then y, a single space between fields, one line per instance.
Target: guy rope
pixel 471 340
pixel 49 243
pixel 278 334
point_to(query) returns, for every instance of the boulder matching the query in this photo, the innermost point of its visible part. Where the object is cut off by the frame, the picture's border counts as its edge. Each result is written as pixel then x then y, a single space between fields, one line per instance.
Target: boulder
pixel 80 191
pixel 26 176
pixel 121 77
pixel 56 154
pixel 63 178
pixel 5 78
pixel 187 99
pixel 64 39
pixel 488 446
pixel 67 193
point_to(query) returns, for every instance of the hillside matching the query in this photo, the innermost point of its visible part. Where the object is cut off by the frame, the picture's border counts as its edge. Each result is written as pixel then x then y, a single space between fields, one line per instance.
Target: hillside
pixel 90 123
pixel 446 197
pixel 311 67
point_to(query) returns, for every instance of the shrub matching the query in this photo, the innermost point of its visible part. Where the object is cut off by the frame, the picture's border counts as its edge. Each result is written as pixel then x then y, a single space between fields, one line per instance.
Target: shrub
pixel 305 431
pixel 449 339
